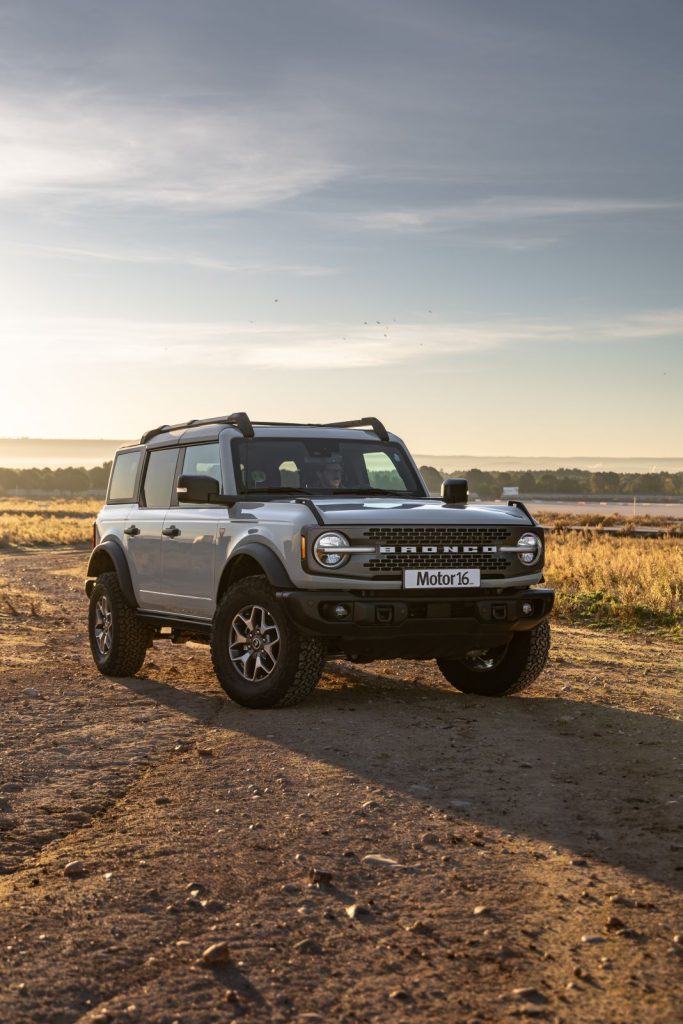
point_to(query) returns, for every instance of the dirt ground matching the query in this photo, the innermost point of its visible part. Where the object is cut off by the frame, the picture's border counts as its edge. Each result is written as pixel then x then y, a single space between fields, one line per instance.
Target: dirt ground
pixel 530 849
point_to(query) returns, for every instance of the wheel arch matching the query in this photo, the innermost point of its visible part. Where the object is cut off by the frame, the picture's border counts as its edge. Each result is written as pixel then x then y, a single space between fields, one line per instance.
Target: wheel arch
pixel 253 560
pixel 109 556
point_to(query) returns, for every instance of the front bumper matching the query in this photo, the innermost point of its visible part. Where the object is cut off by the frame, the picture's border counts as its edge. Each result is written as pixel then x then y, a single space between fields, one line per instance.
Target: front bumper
pixel 399 615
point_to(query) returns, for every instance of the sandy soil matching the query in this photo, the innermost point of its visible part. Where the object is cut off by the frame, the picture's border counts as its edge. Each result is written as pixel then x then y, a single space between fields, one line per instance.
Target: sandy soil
pixel 535 843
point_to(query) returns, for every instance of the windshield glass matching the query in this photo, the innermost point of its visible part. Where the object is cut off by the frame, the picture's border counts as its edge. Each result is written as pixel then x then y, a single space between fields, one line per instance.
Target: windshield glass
pixel 322 466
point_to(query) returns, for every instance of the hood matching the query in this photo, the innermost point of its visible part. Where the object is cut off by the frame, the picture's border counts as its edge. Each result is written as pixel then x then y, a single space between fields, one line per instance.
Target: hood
pixel 416 512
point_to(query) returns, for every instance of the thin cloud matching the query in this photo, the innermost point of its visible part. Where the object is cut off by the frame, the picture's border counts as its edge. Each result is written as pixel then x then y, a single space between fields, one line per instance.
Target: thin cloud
pixel 502 210
pixel 297 346
pixel 177 259
pixel 90 148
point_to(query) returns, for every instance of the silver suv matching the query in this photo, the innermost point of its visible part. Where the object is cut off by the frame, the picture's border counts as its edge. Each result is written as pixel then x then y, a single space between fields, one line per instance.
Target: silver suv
pixel 283 544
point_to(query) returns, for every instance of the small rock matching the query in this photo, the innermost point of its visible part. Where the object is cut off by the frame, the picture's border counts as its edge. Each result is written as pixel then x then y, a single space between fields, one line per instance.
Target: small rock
pixel 309 947
pixel 319 877
pixel 399 993
pixel 75 869
pixel 213 906
pixel 30 691
pixel 370 805
pixel 592 940
pixel 677 939
pixel 161 800
pixel 579 862
pixel 357 910
pixel 430 839
pixel 205 752
pixel 420 928
pixel 614 923
pixel 291 889
pixel 532 995
pixel 379 860
pixel 192 903
pixel 194 887
pixel 480 909
pixel 217 955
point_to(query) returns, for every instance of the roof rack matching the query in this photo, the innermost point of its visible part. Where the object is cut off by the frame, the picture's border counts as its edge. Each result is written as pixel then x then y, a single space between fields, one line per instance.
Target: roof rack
pixel 241 421
pixel 235 419
pixel 368 421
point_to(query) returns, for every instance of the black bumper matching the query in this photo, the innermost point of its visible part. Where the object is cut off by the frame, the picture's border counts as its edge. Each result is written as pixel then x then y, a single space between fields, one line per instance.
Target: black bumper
pixel 399 616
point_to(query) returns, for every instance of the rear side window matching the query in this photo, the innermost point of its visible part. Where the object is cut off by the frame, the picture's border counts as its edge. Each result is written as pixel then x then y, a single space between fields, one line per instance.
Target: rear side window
pixel 123 477
pixel 159 477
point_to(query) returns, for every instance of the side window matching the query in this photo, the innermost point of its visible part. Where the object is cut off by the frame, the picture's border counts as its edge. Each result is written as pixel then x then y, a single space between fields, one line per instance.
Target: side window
pixel 203 459
pixel 123 477
pixel 382 472
pixel 159 476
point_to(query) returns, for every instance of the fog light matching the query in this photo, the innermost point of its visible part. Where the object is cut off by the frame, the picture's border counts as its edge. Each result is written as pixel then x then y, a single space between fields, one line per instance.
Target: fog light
pixel 527 609
pixel 341 611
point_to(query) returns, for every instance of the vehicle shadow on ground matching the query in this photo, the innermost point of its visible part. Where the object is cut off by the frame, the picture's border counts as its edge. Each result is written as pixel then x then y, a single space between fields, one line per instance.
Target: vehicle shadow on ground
pixel 594 780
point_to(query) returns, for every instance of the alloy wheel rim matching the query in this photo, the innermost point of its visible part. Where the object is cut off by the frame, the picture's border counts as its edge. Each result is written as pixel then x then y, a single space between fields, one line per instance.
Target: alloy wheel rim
pixel 103 625
pixel 254 643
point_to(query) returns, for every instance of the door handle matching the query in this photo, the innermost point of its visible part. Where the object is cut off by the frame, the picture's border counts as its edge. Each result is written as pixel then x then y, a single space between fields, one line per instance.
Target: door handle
pixel 131 531
pixel 171 531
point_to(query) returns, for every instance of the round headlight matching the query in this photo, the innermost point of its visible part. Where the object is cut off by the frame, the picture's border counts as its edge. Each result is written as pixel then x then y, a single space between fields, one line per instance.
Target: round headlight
pixel 533 543
pixel 324 550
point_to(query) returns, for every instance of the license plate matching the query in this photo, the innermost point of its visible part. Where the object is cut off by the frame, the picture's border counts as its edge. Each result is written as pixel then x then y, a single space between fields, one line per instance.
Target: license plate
pixel 433 579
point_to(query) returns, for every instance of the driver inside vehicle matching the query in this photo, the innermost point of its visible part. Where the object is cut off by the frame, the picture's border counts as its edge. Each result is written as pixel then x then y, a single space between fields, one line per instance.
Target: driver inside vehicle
pixel 330 475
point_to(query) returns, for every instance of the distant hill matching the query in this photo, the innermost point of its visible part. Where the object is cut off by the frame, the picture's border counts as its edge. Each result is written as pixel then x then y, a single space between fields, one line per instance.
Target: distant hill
pixel 28 452
pixel 594 464
pixel 55 453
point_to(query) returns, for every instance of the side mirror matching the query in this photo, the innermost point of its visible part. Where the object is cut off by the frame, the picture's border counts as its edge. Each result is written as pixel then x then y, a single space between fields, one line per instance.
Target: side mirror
pixel 454 491
pixel 197 490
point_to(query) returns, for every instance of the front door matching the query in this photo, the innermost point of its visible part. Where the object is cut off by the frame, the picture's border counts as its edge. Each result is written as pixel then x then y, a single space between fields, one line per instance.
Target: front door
pixel 189 542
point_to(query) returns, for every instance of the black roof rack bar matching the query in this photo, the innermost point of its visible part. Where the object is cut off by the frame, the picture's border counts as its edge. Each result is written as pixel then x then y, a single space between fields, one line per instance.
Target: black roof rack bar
pixel 367 421
pixel 235 419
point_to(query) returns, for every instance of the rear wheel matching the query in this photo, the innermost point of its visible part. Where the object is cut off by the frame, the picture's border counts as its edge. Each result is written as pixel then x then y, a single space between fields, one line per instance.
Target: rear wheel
pixel 260 659
pixel 498 671
pixel 118 640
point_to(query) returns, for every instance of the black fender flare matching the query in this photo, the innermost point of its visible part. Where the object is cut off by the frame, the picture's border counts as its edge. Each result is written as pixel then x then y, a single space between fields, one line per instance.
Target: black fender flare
pixel 106 554
pixel 272 566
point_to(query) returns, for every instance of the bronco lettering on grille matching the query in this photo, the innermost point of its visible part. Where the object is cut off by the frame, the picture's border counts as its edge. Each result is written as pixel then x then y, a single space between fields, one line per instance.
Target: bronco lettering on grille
pixel 432 549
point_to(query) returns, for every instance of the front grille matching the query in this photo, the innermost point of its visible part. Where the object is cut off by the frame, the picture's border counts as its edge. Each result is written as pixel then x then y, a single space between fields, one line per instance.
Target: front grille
pixel 390 566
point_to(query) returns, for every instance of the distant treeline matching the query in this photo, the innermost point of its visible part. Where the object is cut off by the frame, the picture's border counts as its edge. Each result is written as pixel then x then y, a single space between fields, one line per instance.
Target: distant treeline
pixel 72 480
pixel 485 483
pixel 489 483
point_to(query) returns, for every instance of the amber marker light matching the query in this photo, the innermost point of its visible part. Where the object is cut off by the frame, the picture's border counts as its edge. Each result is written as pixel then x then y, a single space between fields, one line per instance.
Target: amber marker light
pixel 303 549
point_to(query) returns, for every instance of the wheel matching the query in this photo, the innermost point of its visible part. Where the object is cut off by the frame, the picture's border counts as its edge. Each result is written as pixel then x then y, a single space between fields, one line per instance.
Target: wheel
pixel 118 640
pixel 259 657
pixel 501 670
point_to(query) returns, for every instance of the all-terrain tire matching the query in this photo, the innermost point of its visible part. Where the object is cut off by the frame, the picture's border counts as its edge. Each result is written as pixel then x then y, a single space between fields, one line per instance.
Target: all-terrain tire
pixel 513 669
pixel 118 639
pixel 298 662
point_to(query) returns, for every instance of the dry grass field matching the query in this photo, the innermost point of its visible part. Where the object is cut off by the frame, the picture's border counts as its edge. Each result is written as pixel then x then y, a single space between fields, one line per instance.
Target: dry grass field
pixel 600 579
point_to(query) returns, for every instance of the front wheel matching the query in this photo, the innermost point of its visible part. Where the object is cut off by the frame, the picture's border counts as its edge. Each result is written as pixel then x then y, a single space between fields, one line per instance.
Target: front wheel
pixel 118 640
pixel 259 657
pixel 499 671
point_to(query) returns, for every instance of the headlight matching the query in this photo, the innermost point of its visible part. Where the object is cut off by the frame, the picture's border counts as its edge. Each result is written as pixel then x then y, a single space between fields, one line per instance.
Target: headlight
pixel 324 550
pixel 533 543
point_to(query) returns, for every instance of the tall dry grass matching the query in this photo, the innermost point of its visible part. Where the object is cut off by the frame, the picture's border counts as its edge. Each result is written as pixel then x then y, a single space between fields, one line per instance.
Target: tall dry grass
pixel 598 578
pixel 21 530
pixel 626 581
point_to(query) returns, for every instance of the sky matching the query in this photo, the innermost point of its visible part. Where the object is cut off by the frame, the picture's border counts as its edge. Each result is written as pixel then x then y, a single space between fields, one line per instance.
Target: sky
pixel 460 216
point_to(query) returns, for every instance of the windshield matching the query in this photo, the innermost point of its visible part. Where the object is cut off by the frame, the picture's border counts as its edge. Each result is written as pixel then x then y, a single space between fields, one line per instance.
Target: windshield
pixel 321 466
